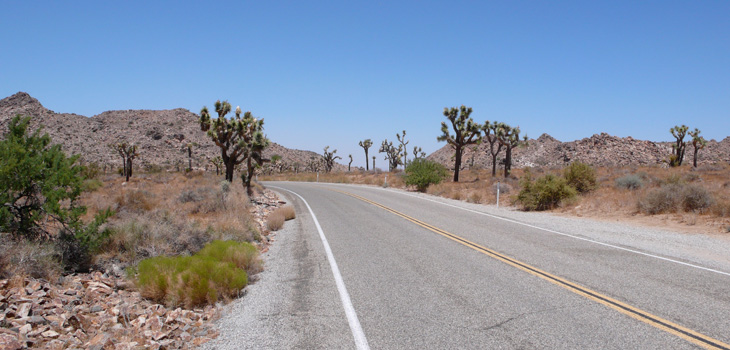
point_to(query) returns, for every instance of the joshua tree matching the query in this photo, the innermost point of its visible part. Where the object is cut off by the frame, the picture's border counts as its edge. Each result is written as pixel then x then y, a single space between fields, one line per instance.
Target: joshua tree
pixel 404 145
pixel 329 159
pixel 189 148
pixel 276 163
pixel 349 165
pixel 240 139
pixel 418 153
pixel 217 163
pixel 473 156
pixel 698 142
pixel 365 145
pixel 128 153
pixel 295 166
pixel 678 148
pixel 509 137
pixel 392 154
pixel 466 132
pixel 490 134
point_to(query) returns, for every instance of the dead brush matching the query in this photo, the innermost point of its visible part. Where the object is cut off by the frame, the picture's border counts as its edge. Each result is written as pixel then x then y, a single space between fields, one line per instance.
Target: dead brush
pixel 288 211
pixel 275 221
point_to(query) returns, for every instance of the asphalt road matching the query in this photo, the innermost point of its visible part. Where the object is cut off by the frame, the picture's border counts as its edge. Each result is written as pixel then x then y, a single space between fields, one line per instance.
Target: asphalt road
pixel 418 274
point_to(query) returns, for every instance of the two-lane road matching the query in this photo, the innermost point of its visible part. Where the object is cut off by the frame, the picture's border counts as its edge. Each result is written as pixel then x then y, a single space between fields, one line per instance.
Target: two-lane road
pixel 411 273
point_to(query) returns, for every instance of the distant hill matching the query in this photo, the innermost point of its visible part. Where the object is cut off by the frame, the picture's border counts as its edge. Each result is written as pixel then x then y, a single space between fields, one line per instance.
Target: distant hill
pixel 160 135
pixel 600 150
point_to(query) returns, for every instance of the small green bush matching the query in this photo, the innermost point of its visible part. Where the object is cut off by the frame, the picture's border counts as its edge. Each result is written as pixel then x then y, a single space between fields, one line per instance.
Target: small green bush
pixel 197 280
pixel 580 176
pixel 544 193
pixel 630 182
pixel 242 254
pixel 423 173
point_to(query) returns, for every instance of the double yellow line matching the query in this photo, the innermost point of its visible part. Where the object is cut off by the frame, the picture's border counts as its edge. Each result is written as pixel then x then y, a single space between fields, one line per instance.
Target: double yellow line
pixel 641 315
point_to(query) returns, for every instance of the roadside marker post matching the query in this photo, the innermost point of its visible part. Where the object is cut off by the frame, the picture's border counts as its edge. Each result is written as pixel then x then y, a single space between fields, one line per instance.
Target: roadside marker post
pixel 497 194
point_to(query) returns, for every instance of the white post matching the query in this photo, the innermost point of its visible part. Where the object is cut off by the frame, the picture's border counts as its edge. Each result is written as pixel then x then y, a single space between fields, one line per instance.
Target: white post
pixel 497 194
pixel 318 176
pixel 386 179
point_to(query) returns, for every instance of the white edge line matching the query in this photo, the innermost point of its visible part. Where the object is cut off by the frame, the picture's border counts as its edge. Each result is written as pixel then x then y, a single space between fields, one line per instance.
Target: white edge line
pixel 556 232
pixel 357 332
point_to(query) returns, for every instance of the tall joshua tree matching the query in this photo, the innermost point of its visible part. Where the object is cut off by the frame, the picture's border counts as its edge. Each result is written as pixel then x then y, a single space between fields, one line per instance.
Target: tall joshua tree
pixel 404 144
pixel 329 159
pixel 241 139
pixel 490 135
pixel 349 165
pixel 678 148
pixel 698 143
pixel 509 137
pixel 392 154
pixel 189 149
pixel 128 154
pixel 365 144
pixel 466 132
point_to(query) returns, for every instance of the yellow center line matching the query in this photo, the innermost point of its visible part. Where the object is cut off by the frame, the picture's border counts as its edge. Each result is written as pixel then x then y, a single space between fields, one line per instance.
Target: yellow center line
pixel 641 315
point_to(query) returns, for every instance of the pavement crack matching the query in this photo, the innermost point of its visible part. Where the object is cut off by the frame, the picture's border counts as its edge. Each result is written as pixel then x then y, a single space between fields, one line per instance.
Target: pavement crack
pixel 524 314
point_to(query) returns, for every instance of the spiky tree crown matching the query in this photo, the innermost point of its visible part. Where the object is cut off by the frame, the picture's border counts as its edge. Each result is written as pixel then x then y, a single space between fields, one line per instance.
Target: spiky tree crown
pixel 697 140
pixel 367 143
pixel 466 131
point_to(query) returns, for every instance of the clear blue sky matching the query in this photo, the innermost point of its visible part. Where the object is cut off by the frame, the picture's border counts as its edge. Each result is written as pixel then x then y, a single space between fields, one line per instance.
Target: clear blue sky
pixel 332 73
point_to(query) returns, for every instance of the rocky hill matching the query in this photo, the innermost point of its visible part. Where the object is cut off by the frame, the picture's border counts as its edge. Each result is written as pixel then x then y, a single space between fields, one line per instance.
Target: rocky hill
pixel 600 150
pixel 161 136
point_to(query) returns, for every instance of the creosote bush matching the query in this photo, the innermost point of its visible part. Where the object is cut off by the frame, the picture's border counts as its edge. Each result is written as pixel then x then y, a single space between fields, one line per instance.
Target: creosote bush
pixel 423 173
pixel 289 213
pixel 544 193
pixel 580 176
pixel 675 197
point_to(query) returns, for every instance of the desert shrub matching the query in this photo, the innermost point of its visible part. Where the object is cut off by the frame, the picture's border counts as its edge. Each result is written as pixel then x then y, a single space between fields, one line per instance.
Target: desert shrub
pixel 151 234
pixel 188 281
pixel 91 185
pixel 630 182
pixel 503 188
pixel 135 201
pixel 474 197
pixel 673 179
pixel 275 221
pixel 692 177
pixel 241 254
pixel 580 176
pixel 423 173
pixel 289 213
pixel 696 198
pixel 721 208
pixel 25 258
pixel 675 197
pixel 544 193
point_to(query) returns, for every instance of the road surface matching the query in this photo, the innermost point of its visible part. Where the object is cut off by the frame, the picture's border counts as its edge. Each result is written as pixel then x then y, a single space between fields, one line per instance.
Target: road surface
pixel 384 269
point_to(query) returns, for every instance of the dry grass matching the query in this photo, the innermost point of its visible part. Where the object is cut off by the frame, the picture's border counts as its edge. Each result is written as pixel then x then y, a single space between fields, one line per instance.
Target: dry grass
pixel 24 258
pixel 289 213
pixel 275 221
pixel 169 214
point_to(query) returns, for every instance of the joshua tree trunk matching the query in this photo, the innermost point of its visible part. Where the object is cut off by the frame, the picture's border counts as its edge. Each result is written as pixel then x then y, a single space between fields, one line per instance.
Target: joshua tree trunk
pixel 190 159
pixel 507 161
pixel 694 160
pixel 128 170
pixel 457 163
pixel 366 161
pixel 373 163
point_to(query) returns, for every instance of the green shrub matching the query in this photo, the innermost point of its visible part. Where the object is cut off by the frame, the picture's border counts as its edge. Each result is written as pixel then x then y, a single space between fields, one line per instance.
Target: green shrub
pixel 580 176
pixel 423 173
pixel 39 188
pixel 630 182
pixel 91 185
pixel 242 254
pixel 189 281
pixel 544 193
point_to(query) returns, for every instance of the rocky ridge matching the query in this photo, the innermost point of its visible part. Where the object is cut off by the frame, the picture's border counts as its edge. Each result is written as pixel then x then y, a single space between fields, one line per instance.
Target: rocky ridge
pixel 161 135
